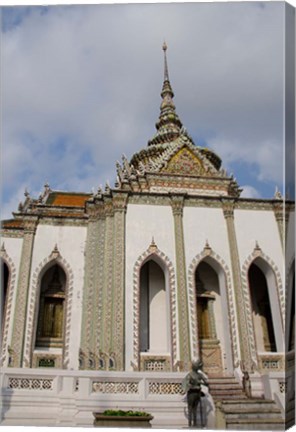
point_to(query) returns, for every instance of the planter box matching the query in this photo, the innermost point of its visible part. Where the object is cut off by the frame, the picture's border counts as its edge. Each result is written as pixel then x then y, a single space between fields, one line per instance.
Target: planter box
pixel 122 421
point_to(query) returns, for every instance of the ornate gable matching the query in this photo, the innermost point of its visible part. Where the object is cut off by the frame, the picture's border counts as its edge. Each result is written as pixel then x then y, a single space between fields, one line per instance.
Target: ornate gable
pixel 184 162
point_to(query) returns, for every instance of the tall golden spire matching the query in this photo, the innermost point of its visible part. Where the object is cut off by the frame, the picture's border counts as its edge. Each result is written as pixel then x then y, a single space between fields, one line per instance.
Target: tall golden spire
pixel 168 125
pixel 166 70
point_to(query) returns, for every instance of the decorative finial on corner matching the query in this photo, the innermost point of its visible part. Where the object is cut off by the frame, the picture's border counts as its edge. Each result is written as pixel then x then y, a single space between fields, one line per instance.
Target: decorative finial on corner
pixel 277 194
pixel 3 248
pixel 257 247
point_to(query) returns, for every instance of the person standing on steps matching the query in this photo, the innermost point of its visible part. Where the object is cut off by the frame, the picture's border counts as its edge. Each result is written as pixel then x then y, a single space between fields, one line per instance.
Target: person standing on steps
pixel 195 385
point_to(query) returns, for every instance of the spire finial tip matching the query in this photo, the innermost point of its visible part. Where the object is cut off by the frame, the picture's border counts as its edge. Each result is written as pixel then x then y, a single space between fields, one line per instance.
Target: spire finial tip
pixel 164 46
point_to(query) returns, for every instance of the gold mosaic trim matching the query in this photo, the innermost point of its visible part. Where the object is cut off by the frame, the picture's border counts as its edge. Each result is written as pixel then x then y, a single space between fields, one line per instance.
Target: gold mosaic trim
pixel 118 307
pixel 184 342
pixel 20 312
pixel 8 306
pixel 88 331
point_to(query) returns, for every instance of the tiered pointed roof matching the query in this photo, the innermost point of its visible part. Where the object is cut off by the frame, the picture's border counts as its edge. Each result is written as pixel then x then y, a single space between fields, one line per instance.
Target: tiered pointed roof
pixel 172 152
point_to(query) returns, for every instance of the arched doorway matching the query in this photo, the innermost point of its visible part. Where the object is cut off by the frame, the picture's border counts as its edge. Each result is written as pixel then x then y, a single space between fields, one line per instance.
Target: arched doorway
pixel 51 314
pixel 265 307
pixel 154 331
pixel 212 321
pixel 4 291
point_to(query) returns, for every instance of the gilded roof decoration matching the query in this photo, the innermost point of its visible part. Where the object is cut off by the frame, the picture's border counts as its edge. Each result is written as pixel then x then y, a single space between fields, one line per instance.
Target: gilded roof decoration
pixel 184 162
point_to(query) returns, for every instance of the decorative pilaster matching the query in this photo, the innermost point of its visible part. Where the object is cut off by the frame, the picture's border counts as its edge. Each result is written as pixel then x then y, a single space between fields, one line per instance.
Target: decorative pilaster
pixel 118 309
pixel 228 210
pixel 20 313
pixel 177 203
pixel 106 323
pixel 92 285
pixel 281 216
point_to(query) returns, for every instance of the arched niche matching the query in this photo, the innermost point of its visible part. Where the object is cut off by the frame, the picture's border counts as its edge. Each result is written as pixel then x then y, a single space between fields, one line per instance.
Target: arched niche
pixel 51 314
pixel 5 280
pixel 154 308
pixel 213 327
pixel 266 314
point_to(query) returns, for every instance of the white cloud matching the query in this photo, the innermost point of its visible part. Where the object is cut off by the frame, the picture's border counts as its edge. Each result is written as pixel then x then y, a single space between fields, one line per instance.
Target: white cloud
pixel 250 192
pixel 86 80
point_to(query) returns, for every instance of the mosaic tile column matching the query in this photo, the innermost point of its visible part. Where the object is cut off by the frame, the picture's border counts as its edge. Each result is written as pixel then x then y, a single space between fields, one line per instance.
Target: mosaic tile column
pixel 20 313
pixel 177 203
pixel 118 308
pixel 106 322
pixel 92 290
pixel 228 210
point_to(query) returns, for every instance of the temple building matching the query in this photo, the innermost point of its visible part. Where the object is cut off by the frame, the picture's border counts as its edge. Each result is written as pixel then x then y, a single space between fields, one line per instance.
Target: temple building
pixel 108 296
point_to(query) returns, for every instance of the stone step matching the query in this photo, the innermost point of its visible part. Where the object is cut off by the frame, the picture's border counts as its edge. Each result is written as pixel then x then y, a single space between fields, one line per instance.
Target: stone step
pixel 222 379
pixel 252 414
pixel 256 424
pixel 230 394
pixel 250 407
pixel 259 404
pixel 225 387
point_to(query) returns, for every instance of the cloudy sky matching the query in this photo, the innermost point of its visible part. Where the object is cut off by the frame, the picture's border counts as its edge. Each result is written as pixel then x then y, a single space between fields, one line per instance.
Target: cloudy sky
pixel 81 86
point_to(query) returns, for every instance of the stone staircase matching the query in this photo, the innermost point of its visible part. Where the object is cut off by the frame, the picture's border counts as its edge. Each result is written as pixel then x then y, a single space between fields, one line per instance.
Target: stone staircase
pixel 229 388
pixel 252 414
pixel 235 411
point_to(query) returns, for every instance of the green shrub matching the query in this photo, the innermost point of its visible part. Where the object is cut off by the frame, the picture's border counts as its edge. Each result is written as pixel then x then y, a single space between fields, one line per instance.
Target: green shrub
pixel 125 413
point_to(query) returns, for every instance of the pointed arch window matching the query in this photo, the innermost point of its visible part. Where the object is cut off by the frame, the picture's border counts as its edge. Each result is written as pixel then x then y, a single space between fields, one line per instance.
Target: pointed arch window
pixel 50 328
pixel 154 327
pixel 261 307
pixel 213 328
pixel 4 289
pixel 205 299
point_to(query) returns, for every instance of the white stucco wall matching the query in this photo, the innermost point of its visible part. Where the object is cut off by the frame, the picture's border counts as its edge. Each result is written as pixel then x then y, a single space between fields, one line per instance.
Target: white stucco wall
pixel 71 245
pixel 142 223
pixel 260 226
pixel 201 225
